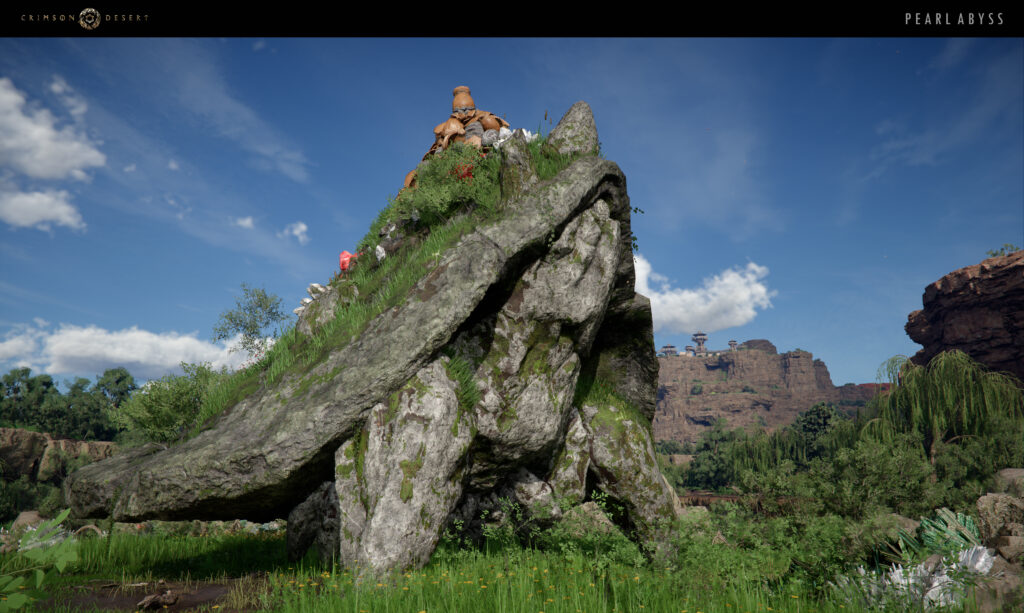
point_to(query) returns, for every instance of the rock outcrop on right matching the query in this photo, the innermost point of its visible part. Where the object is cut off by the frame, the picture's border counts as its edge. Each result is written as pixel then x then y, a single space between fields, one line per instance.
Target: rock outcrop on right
pixel 977 309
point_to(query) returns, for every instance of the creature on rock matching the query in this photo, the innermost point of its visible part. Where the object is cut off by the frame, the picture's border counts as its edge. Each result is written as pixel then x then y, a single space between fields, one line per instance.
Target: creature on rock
pixel 466 124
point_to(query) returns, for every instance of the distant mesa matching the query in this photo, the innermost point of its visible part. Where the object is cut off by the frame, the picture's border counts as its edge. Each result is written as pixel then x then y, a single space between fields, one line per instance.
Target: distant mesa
pixel 749 385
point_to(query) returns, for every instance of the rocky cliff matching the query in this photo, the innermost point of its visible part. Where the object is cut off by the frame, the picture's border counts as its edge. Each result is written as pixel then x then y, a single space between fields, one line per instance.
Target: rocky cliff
pixel 42 457
pixel 979 310
pixel 751 386
pixel 520 365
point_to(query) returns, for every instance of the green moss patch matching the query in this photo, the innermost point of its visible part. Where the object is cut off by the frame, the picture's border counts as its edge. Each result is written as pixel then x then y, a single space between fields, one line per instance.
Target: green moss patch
pixel 409 470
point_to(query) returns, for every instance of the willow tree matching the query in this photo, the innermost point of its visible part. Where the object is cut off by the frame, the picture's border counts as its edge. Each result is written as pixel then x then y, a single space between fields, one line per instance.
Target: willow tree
pixel 951 398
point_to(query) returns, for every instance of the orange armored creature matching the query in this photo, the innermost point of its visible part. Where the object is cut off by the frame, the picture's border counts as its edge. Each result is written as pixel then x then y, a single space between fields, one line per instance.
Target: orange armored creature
pixel 466 124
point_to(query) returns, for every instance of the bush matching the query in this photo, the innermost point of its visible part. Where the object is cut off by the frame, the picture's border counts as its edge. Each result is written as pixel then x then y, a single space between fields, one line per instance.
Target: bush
pixel 874 476
pixel 165 409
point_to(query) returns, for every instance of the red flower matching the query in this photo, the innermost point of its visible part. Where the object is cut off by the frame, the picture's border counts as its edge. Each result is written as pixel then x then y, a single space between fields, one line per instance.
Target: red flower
pixel 463 171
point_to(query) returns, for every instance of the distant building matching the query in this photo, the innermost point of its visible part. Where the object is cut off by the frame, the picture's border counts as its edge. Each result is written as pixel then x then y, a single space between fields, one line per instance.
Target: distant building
pixel 695 351
pixel 667 350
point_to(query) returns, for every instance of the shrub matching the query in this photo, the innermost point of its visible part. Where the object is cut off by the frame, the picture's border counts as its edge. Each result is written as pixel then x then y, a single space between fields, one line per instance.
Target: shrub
pixel 873 476
pixel 1006 249
pixel 166 408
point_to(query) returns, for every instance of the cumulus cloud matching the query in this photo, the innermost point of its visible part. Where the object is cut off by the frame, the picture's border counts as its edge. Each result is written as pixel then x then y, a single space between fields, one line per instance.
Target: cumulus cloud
pixel 129 168
pixel 298 230
pixel 173 165
pixel 76 350
pixel 244 222
pixel 30 142
pixel 726 300
pixel 22 343
pixel 260 44
pixel 39 210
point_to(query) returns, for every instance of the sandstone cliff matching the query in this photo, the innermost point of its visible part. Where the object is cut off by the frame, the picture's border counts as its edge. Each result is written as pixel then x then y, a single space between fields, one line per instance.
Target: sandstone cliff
pixel 520 365
pixel 753 386
pixel 979 310
pixel 42 457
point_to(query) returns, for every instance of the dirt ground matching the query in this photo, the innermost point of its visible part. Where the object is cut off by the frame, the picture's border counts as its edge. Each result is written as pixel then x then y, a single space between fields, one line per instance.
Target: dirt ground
pixel 230 596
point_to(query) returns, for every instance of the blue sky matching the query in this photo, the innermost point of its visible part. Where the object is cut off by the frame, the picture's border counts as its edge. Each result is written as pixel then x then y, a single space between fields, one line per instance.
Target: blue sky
pixel 799 190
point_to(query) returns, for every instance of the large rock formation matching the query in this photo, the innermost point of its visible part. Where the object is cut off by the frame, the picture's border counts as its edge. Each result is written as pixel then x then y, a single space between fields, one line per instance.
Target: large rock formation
pixel 521 366
pixel 751 386
pixel 42 457
pixel 979 310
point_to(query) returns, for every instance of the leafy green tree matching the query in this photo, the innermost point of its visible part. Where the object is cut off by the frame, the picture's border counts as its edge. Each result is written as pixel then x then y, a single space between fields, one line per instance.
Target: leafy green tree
pixel 23 394
pixel 712 466
pixel 80 414
pixel 816 421
pixel 117 384
pixel 255 312
pixel 951 399
pixel 1007 248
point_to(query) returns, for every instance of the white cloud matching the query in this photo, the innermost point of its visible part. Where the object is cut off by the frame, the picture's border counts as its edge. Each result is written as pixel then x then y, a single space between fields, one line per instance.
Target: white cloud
pixel 298 230
pixel 726 300
pixel 129 168
pixel 173 165
pixel 21 344
pixel 244 222
pixel 76 350
pixel 31 144
pixel 76 104
pixel 39 209
pixel 260 44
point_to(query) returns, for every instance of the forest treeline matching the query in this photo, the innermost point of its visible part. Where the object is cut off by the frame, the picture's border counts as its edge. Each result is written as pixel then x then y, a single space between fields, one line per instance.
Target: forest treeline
pixel 114 408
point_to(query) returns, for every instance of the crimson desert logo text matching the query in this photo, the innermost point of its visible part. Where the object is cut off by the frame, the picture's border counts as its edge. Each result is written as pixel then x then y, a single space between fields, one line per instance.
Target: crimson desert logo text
pixel 954 19
pixel 89 19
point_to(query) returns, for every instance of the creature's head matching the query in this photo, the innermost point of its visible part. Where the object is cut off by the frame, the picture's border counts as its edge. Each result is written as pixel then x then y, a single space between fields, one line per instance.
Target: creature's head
pixel 463 103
